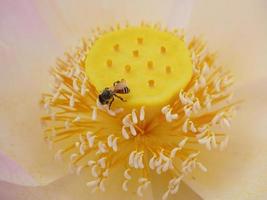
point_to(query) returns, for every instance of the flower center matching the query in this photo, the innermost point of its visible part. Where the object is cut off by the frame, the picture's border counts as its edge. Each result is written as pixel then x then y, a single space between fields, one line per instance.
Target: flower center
pixel 178 102
pixel 156 64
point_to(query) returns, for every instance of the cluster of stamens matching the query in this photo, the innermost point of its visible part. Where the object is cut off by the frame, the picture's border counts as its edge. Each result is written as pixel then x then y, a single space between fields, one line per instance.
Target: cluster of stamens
pixel 95 138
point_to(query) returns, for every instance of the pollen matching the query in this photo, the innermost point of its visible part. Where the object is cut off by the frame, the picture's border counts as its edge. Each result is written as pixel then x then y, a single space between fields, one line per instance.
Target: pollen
pixel 180 101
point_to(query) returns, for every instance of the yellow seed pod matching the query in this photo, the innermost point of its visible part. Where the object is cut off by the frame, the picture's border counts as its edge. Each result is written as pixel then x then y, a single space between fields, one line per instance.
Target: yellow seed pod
pixel 155 64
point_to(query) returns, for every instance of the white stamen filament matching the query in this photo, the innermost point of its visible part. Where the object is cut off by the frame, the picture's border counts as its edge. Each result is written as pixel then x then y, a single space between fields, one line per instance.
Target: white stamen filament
pixel 140 191
pixel 110 139
pixel 165 195
pixel 91 141
pixel 79 169
pixel 75 85
pixel 91 163
pixel 115 144
pixel 127 175
pixel 102 186
pixel 106 173
pixel 132 130
pixel 131 158
pixel 94 113
pixel 102 147
pixel 125 185
pixel 124 133
pixel 102 162
pixel 58 155
pixel 134 117
pixel 202 167
pixel 142 113
pixel 182 143
pixel 174 151
pixel 72 101
pixel 152 162
pixel 126 120
pixel 77 119
pixel 93 183
pixel 94 171
pixel 165 109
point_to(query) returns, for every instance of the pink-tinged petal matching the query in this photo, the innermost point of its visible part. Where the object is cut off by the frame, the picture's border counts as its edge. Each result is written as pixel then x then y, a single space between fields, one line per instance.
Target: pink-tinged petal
pixel 240 171
pixel 69 188
pixel 160 186
pixel 12 172
pixel 73 187
pixel 27 50
pixel 70 20
pixel 237 30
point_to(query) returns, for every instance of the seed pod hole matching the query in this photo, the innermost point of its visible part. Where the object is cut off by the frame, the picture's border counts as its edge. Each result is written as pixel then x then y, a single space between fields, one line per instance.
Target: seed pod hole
pixel 140 40
pixel 116 47
pixel 162 49
pixel 127 68
pixel 151 83
pixel 168 69
pixel 135 53
pixel 150 64
pixel 109 63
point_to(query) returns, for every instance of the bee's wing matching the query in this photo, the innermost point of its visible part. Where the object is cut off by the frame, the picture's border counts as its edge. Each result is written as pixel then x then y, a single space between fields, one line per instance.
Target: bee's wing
pixel 120 85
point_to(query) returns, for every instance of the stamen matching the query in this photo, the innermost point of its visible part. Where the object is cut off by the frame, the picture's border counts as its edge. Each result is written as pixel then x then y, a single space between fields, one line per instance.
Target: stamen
pixel 142 113
pixel 86 132
pixel 124 133
pixel 133 131
pixel 125 185
pixel 127 175
pixel 134 117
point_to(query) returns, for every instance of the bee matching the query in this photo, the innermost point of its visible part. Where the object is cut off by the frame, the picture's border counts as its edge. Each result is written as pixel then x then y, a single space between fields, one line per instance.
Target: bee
pixel 108 94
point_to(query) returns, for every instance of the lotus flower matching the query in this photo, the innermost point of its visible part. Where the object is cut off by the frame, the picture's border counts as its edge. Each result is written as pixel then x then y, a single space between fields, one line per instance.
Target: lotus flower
pixel 34 33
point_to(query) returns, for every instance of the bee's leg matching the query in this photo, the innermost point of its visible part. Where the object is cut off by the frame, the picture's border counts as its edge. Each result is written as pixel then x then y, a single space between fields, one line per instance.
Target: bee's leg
pixel 110 103
pixel 120 98
pixel 115 83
